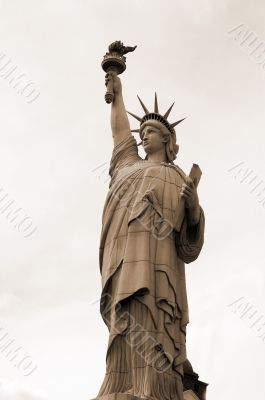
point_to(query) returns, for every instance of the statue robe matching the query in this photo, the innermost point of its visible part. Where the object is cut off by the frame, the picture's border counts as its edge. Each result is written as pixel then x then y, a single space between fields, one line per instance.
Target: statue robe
pixel 142 256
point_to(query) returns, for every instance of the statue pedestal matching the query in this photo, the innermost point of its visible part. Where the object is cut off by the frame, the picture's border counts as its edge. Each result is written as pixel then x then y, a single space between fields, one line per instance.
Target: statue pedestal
pixel 190 395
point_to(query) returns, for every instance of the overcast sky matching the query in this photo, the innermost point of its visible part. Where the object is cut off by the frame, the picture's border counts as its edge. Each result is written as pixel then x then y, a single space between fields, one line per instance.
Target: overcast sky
pixel 53 157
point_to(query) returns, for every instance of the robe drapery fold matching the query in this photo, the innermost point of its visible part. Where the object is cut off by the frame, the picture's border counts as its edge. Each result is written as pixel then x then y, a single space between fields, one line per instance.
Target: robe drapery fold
pixel 142 259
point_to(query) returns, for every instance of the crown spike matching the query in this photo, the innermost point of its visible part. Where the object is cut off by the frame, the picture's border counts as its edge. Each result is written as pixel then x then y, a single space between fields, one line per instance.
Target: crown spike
pixel 176 123
pixel 135 116
pixel 168 111
pixel 142 104
pixel 156 105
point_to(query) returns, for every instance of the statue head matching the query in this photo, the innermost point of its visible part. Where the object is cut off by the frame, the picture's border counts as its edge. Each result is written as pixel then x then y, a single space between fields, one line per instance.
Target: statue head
pixel 156 132
pixel 156 136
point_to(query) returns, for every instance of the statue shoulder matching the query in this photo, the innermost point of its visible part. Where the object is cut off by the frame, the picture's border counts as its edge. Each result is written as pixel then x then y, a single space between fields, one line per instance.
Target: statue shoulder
pixel 179 171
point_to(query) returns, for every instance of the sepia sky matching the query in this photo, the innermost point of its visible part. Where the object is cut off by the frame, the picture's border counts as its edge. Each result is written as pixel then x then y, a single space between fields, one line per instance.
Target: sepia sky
pixel 209 57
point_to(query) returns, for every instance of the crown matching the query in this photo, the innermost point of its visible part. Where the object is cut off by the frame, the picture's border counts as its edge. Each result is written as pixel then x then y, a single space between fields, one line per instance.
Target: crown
pixel 155 116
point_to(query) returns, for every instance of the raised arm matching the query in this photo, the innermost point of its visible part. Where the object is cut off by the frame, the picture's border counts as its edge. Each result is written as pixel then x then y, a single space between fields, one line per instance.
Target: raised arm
pixel 119 120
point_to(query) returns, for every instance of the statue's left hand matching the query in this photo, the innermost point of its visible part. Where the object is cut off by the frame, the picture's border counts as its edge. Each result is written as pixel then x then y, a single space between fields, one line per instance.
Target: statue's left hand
pixel 190 195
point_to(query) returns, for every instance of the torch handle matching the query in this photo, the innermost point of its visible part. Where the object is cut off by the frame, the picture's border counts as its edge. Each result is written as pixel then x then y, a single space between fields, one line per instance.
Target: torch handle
pixel 109 95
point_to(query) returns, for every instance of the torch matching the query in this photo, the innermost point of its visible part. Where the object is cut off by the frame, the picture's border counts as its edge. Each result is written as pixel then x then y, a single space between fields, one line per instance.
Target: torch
pixel 114 61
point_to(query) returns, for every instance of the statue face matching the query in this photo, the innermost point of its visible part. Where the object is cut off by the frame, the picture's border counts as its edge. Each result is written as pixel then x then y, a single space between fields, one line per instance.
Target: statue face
pixel 152 138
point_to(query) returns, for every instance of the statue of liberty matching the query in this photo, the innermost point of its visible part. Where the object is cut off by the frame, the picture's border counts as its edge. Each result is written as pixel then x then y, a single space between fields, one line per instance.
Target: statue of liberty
pixel 152 224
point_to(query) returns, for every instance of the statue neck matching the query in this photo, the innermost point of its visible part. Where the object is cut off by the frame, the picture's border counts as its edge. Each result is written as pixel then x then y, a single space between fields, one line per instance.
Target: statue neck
pixel 158 156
